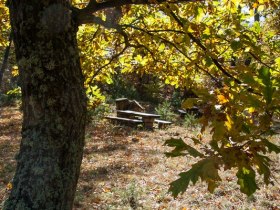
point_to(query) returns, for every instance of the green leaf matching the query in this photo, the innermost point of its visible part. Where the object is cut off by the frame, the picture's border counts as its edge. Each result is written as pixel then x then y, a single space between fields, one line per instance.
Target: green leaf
pixel 265 76
pixel 214 145
pixel 199 14
pixel 235 45
pixel 263 167
pixel 180 147
pixel 247 180
pixel 208 61
pixel 187 40
pixel 196 140
pixel 204 169
pixel 271 147
pixel 219 130
pixel 161 47
pixel 212 186
pixel 277 61
pixel 180 185
pixel 189 103
pixel 245 128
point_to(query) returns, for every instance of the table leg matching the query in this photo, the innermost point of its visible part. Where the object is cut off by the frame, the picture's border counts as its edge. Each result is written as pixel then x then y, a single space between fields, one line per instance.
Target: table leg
pixel 148 123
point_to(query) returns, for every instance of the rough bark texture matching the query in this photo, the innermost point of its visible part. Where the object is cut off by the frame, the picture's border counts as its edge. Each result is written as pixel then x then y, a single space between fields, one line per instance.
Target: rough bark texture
pixel 54 105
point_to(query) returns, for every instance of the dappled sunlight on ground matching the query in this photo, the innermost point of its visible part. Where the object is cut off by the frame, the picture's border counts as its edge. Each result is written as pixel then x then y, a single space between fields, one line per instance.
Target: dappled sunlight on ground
pixel 124 168
pixel 10 127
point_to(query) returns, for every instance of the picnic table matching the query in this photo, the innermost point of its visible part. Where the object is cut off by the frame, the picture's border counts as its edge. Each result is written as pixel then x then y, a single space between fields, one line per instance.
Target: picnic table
pixel 129 112
pixel 147 118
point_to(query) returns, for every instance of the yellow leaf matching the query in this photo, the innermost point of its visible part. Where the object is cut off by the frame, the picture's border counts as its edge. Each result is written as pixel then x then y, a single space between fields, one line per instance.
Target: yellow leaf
pixel 190 29
pixel 207 31
pixel 106 189
pixel 229 123
pixel 9 186
pixel 3 6
pixel 261 8
pixel 161 47
pixel 255 5
pixel 15 71
pixel 251 109
pixel 138 58
pixel 222 99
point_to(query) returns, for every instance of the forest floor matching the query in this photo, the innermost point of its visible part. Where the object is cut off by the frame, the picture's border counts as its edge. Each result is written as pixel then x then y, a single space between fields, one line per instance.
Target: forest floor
pixel 125 168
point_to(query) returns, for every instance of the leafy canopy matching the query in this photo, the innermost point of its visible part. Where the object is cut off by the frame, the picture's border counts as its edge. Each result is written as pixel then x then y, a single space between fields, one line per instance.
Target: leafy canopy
pixel 214 48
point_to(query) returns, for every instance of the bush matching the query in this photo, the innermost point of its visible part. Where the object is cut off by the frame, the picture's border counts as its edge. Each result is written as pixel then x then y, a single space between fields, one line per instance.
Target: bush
pixel 165 111
pixel 97 114
pixel 176 99
pixel 11 98
pixel 191 121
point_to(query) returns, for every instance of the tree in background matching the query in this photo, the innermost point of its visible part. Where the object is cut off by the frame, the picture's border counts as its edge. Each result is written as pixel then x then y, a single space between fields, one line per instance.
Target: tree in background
pixel 5 39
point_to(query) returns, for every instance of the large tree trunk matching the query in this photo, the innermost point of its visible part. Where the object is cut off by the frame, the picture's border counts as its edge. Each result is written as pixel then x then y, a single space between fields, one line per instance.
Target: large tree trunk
pixel 54 105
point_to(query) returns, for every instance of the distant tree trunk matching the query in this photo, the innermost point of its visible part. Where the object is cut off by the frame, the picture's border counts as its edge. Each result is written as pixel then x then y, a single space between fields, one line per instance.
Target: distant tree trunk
pixel 256 15
pixel 5 61
pixel 54 105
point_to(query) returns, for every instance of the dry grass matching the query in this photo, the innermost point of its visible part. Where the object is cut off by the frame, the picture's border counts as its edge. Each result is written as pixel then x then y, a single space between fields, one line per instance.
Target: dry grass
pixel 124 168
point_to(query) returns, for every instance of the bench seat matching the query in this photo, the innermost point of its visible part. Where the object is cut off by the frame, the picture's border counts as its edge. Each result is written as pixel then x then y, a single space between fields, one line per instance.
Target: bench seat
pixel 123 120
pixel 162 123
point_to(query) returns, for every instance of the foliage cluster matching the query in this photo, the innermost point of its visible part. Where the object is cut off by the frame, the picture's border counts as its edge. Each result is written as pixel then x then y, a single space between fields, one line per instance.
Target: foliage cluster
pixel 4 25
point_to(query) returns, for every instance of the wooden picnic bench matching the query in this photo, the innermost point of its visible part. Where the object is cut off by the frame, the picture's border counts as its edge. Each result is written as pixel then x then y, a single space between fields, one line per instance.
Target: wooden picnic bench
pixel 129 112
pixel 162 123
pixel 147 118
pixel 125 104
pixel 126 121
pixel 129 118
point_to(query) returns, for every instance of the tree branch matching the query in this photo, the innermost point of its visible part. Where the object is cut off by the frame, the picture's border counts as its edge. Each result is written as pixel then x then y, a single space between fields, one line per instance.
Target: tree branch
pixel 84 15
pixel 214 60
pixel 107 64
pixel 197 41
pixel 261 62
pixel 217 82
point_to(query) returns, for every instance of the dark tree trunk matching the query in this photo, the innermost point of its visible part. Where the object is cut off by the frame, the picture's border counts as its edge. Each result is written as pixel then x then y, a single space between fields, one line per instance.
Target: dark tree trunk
pixel 54 105
pixel 5 61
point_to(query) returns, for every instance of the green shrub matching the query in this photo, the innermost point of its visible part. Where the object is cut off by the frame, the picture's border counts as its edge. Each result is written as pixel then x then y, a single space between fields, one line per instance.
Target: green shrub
pixel 176 99
pixel 11 98
pixel 97 114
pixel 191 121
pixel 165 111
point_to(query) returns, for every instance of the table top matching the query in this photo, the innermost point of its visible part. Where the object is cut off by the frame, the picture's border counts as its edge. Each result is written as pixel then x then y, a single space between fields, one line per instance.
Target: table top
pixel 142 114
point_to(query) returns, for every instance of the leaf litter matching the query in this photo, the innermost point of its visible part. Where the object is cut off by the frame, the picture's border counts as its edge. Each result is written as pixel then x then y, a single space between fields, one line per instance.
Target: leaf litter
pixel 125 168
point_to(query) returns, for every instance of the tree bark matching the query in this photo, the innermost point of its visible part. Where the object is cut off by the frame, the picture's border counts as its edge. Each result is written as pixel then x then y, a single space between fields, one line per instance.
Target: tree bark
pixel 54 105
